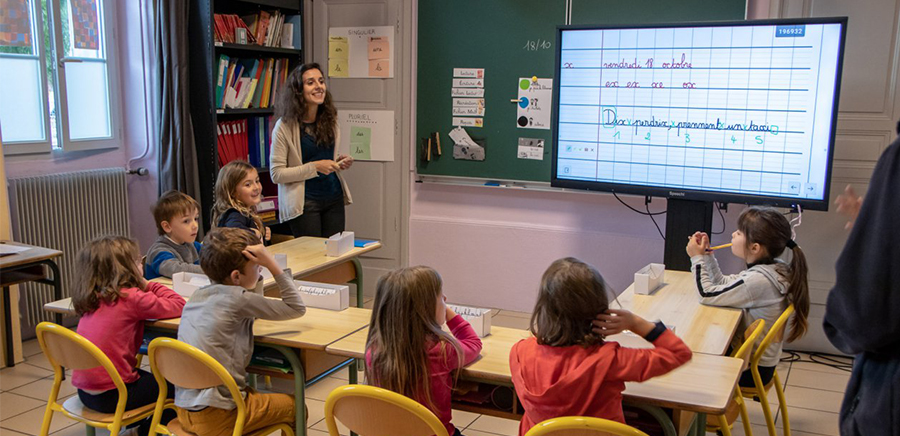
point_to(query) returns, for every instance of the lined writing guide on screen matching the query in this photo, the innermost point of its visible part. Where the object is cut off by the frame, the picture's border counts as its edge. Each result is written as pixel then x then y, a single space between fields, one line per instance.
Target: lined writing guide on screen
pixel 742 109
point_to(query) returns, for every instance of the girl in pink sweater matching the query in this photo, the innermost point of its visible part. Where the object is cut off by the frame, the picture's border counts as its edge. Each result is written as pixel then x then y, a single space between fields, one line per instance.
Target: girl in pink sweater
pixel 113 299
pixel 406 351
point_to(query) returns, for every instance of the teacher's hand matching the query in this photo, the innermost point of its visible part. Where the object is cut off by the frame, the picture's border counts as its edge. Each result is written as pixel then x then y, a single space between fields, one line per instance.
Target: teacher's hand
pixel 344 161
pixel 327 166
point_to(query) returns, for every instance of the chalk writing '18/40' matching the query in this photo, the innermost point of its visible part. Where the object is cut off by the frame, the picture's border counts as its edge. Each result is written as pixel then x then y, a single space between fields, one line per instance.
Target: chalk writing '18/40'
pixel 537 44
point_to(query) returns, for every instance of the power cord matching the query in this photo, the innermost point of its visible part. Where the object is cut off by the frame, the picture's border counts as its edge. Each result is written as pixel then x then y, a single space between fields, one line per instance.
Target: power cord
pixel 647 213
pixel 719 208
pixel 842 363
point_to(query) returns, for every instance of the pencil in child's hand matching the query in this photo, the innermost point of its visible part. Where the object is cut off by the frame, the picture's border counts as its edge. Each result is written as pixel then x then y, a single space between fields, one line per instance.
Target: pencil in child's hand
pixel 718 247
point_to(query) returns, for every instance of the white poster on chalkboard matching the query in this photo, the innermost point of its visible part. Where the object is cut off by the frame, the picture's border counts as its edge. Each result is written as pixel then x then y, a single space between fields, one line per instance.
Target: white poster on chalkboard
pixel 361 52
pixel 535 98
pixel 367 135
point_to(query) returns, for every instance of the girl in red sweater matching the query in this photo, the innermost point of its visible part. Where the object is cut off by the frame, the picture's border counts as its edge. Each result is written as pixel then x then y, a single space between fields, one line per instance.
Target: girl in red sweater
pixel 567 369
pixel 113 299
pixel 406 351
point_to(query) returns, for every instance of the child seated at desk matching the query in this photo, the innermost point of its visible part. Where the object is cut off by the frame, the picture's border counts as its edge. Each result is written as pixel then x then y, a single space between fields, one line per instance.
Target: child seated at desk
pixel 176 250
pixel 567 369
pixel 114 299
pixel 218 320
pixel 407 351
pixel 238 191
pixel 765 288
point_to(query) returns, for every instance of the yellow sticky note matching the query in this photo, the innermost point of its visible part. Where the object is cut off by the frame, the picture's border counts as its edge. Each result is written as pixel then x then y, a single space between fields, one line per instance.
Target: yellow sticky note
pixel 338 68
pixel 338 47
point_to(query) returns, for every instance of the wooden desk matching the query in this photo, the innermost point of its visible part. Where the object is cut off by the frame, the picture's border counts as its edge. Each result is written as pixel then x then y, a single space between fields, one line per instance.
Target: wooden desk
pixel 703 385
pixel 26 266
pixel 705 329
pixel 307 260
pixel 315 330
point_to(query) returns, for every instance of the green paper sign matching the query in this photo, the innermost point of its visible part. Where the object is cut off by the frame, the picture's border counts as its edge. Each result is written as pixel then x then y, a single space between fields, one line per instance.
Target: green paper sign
pixel 360 142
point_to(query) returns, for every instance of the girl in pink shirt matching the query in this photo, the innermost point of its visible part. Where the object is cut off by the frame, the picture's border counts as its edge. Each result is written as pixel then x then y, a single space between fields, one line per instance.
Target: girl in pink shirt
pixel 113 299
pixel 406 351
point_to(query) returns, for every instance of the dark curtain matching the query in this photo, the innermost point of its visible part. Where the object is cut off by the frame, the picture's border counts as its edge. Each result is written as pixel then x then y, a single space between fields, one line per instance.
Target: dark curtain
pixel 177 153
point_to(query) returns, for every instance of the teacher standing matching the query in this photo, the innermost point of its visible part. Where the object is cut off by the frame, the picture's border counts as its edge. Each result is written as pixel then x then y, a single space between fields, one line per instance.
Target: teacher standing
pixel 304 160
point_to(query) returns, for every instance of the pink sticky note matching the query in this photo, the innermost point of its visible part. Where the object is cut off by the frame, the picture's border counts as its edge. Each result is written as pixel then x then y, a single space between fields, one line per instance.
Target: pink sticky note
pixel 379 47
pixel 380 68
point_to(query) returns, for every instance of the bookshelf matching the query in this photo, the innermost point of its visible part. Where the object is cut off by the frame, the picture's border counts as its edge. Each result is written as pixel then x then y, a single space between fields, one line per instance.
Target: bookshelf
pixel 204 57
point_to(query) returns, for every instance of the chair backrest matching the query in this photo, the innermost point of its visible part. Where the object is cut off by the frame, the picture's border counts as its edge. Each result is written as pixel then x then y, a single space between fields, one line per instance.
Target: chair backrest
pixel 582 426
pixel 775 334
pixel 189 367
pixel 751 335
pixel 65 348
pixel 372 411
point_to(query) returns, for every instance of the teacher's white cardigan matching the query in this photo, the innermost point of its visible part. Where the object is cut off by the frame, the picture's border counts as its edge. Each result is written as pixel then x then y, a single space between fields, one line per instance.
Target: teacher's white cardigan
pixel 290 172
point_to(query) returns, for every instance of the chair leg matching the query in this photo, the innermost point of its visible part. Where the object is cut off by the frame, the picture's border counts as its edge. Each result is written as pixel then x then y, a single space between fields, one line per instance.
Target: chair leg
pixel 45 424
pixel 723 426
pixel 764 401
pixel 745 418
pixel 782 405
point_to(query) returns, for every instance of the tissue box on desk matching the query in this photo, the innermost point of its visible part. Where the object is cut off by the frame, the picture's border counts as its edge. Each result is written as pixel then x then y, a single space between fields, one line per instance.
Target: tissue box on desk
pixel 338 244
pixel 480 319
pixel 323 295
pixel 648 278
pixel 185 283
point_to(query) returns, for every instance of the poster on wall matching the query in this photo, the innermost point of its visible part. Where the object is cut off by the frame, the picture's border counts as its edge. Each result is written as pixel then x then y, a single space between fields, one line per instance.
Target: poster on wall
pixel 361 52
pixel 366 134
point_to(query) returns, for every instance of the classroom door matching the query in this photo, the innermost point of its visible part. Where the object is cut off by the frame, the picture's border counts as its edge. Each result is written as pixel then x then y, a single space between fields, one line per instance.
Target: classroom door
pixel 379 189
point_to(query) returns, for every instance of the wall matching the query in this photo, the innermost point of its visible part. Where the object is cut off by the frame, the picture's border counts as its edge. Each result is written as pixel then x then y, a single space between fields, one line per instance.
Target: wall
pixel 135 79
pixel 491 245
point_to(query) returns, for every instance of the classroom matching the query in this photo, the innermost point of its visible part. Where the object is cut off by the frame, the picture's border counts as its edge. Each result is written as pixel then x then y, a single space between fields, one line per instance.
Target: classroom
pixel 641 218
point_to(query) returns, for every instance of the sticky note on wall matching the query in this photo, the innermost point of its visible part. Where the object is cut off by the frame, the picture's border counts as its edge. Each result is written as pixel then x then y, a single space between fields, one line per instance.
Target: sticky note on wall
pixel 379 47
pixel 380 68
pixel 338 48
pixel 361 142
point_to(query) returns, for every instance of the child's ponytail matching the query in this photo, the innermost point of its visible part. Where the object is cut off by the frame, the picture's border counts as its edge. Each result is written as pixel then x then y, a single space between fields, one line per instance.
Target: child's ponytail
pixel 798 292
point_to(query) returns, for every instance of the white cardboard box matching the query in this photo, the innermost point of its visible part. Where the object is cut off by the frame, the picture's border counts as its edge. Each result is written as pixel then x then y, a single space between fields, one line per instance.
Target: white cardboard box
pixel 479 318
pixel 339 243
pixel 281 259
pixel 323 295
pixel 185 283
pixel 648 278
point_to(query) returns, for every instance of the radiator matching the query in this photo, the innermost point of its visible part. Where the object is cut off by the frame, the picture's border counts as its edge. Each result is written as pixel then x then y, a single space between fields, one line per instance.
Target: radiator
pixel 63 212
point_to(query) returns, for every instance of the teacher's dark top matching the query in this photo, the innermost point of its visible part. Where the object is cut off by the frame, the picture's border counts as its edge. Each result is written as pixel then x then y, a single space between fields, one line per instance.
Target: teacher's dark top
pixel 324 188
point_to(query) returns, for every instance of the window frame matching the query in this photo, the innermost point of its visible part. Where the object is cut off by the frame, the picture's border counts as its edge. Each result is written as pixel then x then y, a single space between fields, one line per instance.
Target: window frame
pixel 110 40
pixel 37 145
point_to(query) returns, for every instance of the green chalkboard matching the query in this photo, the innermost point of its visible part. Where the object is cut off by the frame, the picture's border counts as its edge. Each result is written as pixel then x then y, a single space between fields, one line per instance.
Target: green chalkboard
pixel 510 39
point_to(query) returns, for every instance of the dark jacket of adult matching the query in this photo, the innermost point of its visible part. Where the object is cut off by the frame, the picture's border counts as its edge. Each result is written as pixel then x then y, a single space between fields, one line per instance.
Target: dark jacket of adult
pixel 863 312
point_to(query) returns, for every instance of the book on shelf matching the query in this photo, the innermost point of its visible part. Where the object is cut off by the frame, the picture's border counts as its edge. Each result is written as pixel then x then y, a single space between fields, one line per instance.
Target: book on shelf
pixel 265 28
pixel 246 139
pixel 249 82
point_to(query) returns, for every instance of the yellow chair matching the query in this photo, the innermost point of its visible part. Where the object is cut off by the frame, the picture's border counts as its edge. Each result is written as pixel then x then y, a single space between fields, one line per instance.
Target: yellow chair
pixel 188 367
pixel 722 423
pixel 582 426
pixel 65 348
pixel 372 411
pixel 758 393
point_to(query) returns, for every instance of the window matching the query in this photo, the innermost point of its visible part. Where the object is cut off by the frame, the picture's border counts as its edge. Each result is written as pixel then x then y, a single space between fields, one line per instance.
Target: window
pixel 58 75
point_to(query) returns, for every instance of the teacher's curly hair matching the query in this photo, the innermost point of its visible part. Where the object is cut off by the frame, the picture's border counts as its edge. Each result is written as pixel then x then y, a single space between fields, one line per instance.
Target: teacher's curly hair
pixel 291 106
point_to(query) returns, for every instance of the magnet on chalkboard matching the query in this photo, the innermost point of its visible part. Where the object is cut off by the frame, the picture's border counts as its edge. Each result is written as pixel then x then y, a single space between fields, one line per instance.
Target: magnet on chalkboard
pixel 523 121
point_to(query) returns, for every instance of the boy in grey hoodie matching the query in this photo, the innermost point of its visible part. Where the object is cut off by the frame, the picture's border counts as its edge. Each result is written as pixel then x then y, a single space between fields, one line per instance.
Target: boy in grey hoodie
pixel 218 319
pixel 176 250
